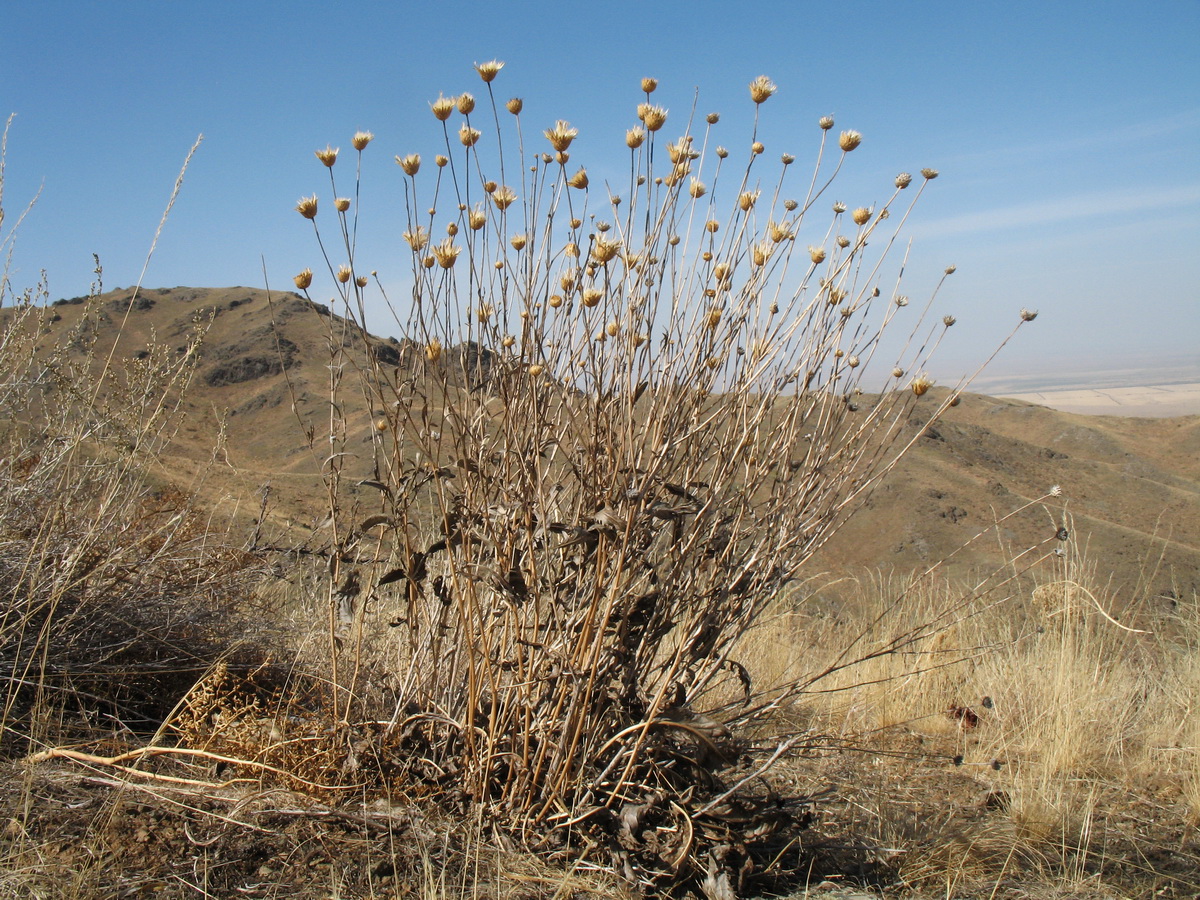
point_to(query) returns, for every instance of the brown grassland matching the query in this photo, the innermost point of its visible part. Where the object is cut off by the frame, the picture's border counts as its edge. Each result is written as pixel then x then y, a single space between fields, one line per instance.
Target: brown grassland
pixel 581 588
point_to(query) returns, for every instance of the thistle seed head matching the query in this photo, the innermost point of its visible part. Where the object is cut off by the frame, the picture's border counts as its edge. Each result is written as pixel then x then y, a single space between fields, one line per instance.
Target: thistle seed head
pixel 440 161
pixel 649 85
pixel 787 159
pixel 591 297
pixel 518 241
pixel 903 180
pixel 604 250
pixel 825 122
pixel 579 180
pixel 515 105
pixel 361 281
pixel 747 200
pixel 921 385
pixel 476 219
pixel 328 156
pixel 634 137
pixel 465 104
pixel 861 216
pixel 653 117
pixel 712 118
pixel 303 280
pixel 722 153
pixel 948 320
pixel 816 254
pixel 343 273
pixel 697 189
pixel 838 208
pixel 929 174
pixel 842 241
pixel 433 350
pixel 341 204
pixel 1028 315
pixel 757 147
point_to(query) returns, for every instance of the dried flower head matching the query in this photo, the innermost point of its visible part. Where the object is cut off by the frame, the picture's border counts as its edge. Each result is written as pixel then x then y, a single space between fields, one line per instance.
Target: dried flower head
pixel 861 215
pixel 853 362
pixel 697 188
pixel 653 117
pixel 897 372
pixel 929 174
pixel 579 180
pixel 612 329
pixel 826 122
pixel 446 252
pixel 712 318
pixel 591 297
pixel 712 226
pixel 760 253
pixel 634 137
pixel 839 207
pixel 489 70
pixel 561 135
pixel 712 118
pixel 948 320
pixel 417 239
pixel 328 156
pixel 515 105
pixel 649 85
pixel 761 89
pixel 361 139
pixel 1028 315
pixel 950 270
pixel 361 281
pixel 303 280
pixel 433 350
pixel 849 140
pixel 787 159
pixel 921 385
pixel 1055 491
pixel 442 107
pixel 902 300
pixel 465 104
pixel 605 250
pixel 504 197
pixel 842 241
pixel 307 207
pixel 555 301
pixel 722 153
pixel 343 273
pixel 757 147
pixel 518 241
pixel 903 180
pixel 341 204
pixel 440 161
pixel 485 312
pixel 779 231
pixel 536 370
pixel 747 199
pixel 790 205
pixel 476 219
pixel 452 228
pixel 816 254
pixel 467 135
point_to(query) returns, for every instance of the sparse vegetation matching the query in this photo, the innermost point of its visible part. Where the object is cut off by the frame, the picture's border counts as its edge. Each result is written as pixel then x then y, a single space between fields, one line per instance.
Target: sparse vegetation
pixel 558 633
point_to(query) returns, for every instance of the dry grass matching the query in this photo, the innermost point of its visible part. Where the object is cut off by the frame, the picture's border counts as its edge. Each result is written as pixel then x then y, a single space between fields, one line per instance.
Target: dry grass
pixel 569 644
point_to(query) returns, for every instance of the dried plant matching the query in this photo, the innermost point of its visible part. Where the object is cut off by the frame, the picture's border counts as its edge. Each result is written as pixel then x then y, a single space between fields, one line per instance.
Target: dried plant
pixel 621 422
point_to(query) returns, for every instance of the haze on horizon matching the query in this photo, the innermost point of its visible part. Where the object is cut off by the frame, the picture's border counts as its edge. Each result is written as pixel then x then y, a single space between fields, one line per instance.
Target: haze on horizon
pixel 1066 137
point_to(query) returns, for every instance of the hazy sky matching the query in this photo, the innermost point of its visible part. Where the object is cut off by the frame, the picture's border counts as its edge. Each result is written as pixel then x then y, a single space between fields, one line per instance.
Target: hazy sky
pixel 1067 135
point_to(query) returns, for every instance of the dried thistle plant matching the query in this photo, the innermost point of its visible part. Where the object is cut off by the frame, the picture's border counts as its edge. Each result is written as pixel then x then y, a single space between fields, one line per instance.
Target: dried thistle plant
pixel 588 495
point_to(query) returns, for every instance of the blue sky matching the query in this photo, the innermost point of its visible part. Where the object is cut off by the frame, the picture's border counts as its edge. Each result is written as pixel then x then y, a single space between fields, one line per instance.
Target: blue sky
pixel 1067 135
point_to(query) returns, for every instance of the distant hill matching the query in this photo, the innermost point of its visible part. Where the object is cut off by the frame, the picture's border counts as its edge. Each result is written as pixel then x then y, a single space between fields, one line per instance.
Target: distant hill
pixel 1132 486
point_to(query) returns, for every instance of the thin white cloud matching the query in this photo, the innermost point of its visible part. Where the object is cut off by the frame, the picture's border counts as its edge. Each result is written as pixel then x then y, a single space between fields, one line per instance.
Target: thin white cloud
pixel 1099 205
